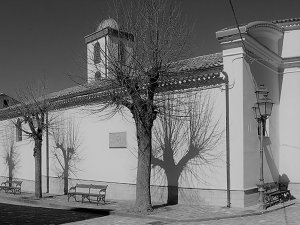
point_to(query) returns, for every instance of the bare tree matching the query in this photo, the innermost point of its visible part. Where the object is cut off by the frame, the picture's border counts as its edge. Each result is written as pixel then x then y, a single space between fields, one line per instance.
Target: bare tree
pixel 184 140
pixel 11 155
pixel 66 149
pixel 32 111
pixel 150 36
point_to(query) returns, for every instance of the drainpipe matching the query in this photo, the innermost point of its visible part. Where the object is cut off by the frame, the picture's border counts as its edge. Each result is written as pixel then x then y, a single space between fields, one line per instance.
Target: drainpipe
pixel 227 137
pixel 47 152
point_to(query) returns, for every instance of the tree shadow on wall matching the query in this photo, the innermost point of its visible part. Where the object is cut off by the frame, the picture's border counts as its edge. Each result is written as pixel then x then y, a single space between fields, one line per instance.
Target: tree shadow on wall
pixel 282 179
pixel 270 158
pixel 11 156
pixel 185 137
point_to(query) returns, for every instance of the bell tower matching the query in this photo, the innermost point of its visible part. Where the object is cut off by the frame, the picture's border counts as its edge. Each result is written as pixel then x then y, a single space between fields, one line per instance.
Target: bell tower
pixel 105 47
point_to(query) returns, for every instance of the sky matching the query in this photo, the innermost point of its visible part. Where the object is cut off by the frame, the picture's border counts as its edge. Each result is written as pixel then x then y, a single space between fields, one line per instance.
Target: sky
pixel 44 39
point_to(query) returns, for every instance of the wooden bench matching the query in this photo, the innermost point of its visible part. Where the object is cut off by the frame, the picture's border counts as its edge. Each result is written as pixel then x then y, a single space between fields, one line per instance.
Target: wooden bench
pixel 13 186
pixel 275 192
pixel 89 192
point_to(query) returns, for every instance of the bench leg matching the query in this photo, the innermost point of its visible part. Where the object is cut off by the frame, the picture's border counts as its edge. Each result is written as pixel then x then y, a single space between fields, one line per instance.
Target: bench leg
pixel 268 201
pixel 101 198
pixel 289 195
pixel 82 198
pixel 71 195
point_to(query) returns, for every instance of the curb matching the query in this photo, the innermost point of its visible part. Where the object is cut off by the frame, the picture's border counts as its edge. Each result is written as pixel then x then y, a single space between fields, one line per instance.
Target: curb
pixel 200 219
pixel 124 214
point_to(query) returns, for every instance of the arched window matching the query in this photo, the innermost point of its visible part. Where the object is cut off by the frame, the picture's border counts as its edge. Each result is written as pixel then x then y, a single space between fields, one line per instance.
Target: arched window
pixel 97 57
pixel 97 75
pixel 19 130
pixel 121 52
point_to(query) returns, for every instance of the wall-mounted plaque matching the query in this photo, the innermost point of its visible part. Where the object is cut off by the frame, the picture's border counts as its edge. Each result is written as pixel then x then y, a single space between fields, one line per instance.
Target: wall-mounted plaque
pixel 117 140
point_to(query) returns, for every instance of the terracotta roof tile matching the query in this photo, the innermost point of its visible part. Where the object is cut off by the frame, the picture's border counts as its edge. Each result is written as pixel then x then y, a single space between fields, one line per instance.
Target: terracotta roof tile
pixel 187 71
pixel 192 64
pixel 286 20
pixel 199 63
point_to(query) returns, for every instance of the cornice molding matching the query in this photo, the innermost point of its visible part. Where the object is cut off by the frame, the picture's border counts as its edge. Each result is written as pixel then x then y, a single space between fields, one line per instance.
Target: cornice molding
pixel 262 24
pixel 108 31
pixel 255 50
pixel 262 53
pixel 291 62
pixel 228 32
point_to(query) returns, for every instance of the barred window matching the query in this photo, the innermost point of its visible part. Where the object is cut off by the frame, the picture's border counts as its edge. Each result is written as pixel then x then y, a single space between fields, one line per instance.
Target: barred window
pixel 97 57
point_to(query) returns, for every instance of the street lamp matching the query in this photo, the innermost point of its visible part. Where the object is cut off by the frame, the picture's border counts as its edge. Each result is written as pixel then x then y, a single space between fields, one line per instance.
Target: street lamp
pixel 262 110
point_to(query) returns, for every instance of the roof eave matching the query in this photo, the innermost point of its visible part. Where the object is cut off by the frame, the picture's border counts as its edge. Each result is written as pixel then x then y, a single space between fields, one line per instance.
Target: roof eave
pixel 198 78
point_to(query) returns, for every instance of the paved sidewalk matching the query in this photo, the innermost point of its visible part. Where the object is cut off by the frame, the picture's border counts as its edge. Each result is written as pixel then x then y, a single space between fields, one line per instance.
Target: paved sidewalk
pixel 120 212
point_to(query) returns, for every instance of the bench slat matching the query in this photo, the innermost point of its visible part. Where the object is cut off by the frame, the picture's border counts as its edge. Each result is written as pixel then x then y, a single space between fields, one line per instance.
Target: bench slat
pixel 275 192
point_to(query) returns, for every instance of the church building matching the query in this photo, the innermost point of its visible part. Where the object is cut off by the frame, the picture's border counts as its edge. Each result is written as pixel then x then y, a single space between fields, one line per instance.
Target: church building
pixel 258 53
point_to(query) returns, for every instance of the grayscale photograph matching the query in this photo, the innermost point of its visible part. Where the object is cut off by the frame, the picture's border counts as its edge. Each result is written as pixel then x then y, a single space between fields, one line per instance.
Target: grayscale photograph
pixel 159 112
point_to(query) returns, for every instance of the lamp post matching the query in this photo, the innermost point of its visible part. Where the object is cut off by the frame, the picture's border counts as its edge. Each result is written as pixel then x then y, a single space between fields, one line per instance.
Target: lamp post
pixel 262 110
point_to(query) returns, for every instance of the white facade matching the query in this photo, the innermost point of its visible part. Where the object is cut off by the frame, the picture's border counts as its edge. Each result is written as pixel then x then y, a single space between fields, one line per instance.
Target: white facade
pixel 269 55
pixel 271 58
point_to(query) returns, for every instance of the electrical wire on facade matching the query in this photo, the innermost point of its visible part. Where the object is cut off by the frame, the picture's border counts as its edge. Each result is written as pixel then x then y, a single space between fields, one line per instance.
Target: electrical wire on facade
pixel 247 56
pixel 240 34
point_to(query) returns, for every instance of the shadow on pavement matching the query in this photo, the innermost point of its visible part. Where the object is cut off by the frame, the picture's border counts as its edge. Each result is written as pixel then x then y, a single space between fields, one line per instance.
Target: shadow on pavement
pixel 18 214
pixel 160 206
pixel 102 212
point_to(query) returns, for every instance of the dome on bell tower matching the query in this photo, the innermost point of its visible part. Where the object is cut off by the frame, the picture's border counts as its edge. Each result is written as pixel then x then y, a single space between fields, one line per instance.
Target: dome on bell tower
pixel 107 45
pixel 108 23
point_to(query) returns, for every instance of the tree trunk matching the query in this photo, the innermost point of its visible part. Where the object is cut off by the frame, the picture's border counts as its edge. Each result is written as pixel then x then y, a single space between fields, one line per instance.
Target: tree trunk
pixel 173 179
pixel 10 173
pixel 66 176
pixel 143 195
pixel 38 168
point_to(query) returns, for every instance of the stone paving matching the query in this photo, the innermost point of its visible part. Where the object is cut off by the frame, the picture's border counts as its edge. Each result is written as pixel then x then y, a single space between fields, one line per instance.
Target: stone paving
pixel 284 213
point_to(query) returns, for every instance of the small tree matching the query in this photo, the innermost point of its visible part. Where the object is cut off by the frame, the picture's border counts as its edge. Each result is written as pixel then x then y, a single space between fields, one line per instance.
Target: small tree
pixel 65 151
pixel 32 111
pixel 10 156
pixel 184 140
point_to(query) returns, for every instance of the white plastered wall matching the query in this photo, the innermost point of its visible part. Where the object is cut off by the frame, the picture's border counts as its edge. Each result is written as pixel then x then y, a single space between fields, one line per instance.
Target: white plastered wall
pixel 290 125
pixel 203 175
pixel 262 75
pixel 24 149
pixel 99 161
pixel 291 44
pixel 290 109
pixel 233 65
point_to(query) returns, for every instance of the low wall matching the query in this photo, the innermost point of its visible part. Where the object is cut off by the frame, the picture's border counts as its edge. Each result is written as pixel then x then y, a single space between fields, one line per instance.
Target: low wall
pixel 125 191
